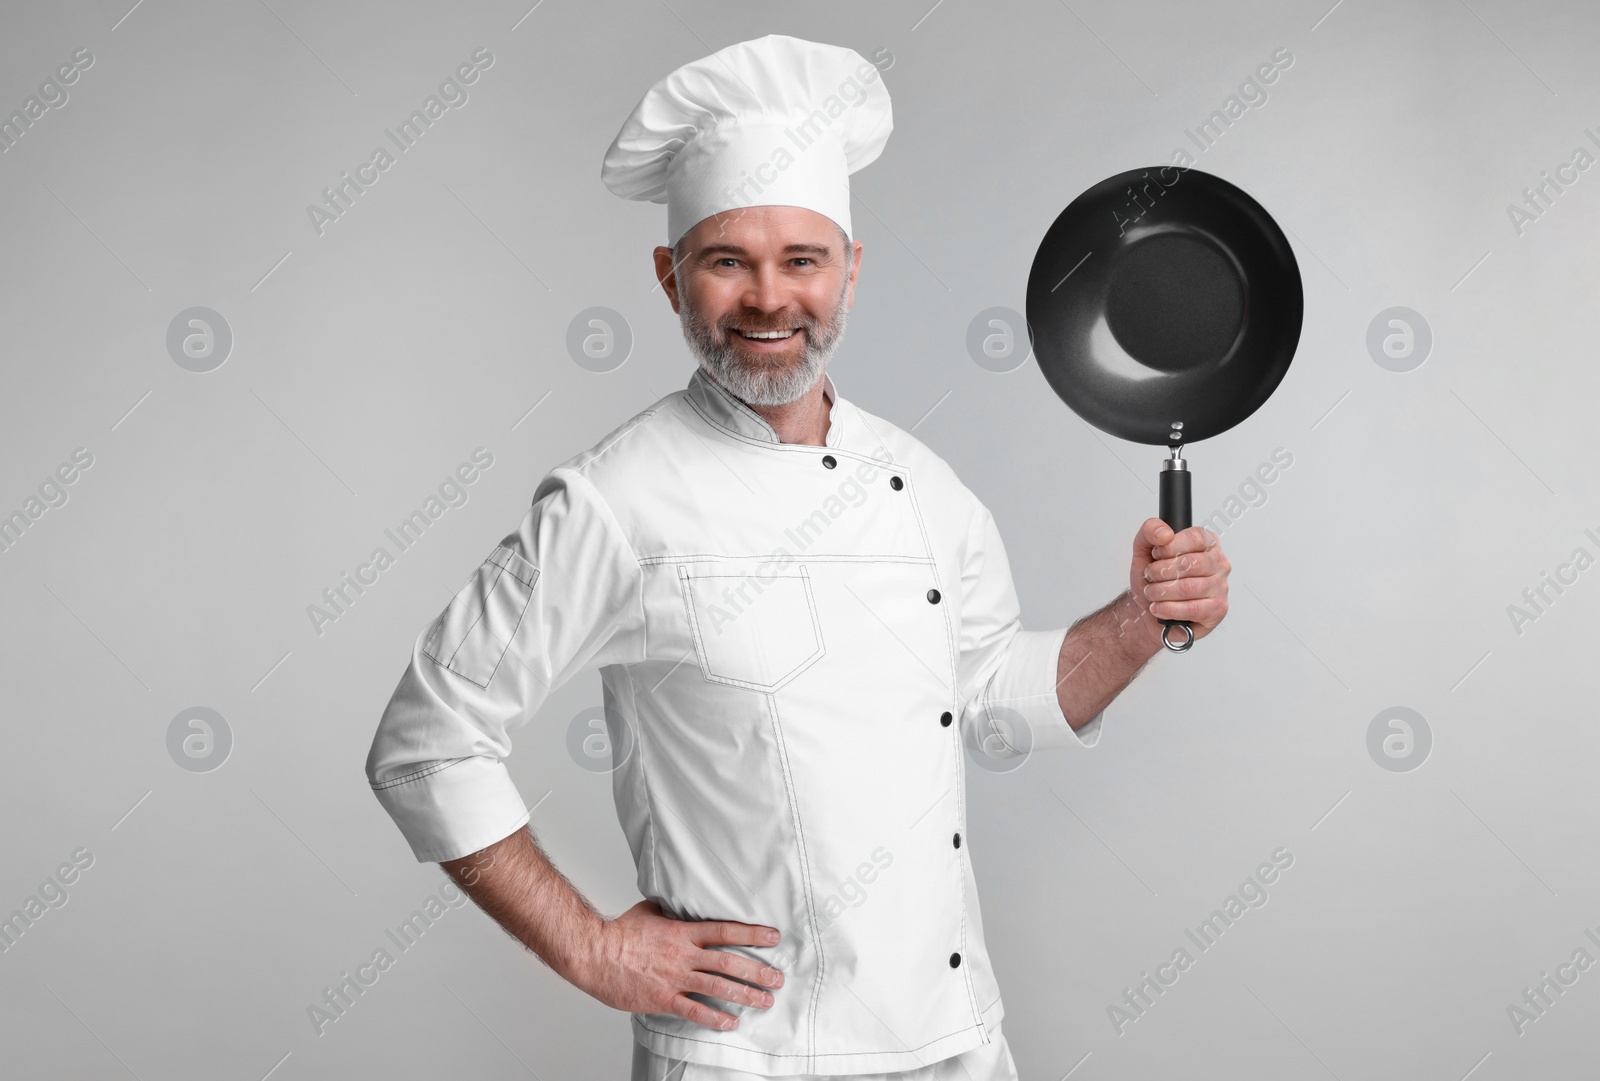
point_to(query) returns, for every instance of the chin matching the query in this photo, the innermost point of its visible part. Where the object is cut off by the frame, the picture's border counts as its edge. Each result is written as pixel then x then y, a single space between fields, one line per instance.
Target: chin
pixel 763 362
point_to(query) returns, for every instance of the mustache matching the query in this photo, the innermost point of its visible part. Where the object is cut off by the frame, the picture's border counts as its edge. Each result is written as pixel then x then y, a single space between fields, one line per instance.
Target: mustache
pixel 796 324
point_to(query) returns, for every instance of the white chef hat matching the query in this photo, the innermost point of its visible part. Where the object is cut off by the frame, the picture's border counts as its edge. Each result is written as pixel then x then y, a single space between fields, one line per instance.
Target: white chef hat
pixel 776 121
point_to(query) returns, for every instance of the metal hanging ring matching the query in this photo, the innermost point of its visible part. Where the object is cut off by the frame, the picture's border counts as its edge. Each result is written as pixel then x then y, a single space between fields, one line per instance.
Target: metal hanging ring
pixel 1168 624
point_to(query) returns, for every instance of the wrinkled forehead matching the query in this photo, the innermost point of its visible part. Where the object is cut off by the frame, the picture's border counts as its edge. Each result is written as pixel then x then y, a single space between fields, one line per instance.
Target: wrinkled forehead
pixel 765 229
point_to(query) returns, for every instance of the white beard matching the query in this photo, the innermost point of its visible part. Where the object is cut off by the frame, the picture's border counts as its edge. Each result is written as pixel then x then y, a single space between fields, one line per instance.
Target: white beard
pixel 774 382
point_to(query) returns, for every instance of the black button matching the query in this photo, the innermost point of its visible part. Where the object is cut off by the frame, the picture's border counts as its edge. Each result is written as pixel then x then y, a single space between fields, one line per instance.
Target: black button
pixel 955 960
pixel 896 483
pixel 945 718
pixel 958 840
pixel 828 460
pixel 933 596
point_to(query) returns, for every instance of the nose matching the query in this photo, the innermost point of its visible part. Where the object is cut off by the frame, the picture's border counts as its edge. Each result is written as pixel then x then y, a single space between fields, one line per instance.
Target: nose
pixel 766 291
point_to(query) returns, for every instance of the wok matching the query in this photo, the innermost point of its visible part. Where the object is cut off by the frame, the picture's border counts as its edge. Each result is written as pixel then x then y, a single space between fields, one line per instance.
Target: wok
pixel 1164 306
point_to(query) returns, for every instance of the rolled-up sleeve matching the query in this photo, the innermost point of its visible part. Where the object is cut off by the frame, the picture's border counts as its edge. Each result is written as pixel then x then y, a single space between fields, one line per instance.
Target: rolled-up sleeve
pixel 1006 670
pixel 562 592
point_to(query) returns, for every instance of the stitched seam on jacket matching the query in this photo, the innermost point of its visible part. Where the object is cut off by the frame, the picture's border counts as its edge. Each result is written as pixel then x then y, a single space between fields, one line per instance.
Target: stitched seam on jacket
pixel 613 525
pixel 644 779
pixel 417 775
pixel 780 1055
pixel 521 615
pixel 717 389
pixel 702 656
pixel 506 566
pixel 625 429
pixel 835 415
pixel 512 637
pixel 790 448
pixel 883 446
pixel 1024 697
pixel 488 591
pixel 766 557
pixel 805 877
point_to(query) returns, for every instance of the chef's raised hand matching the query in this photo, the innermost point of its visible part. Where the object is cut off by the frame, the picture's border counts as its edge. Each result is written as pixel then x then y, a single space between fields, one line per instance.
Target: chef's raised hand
pixel 1180 576
pixel 645 962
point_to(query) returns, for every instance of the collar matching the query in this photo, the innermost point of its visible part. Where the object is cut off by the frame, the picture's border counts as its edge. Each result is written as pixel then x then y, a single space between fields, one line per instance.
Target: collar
pixel 716 402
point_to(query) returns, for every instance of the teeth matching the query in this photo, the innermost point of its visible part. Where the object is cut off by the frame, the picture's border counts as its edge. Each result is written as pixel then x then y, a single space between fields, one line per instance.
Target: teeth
pixel 768 334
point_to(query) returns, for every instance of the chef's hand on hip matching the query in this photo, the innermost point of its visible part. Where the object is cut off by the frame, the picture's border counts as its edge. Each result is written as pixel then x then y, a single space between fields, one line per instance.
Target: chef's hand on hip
pixel 644 962
pixel 1180 576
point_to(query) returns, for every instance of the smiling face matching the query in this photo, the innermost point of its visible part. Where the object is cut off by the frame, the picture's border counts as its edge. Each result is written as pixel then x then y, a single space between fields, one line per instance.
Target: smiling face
pixel 762 293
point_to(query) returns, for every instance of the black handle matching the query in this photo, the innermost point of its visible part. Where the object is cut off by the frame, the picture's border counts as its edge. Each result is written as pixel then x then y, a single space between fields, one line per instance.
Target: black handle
pixel 1176 512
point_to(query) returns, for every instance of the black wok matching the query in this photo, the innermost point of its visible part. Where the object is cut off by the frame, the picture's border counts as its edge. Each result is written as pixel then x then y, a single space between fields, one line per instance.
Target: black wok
pixel 1164 307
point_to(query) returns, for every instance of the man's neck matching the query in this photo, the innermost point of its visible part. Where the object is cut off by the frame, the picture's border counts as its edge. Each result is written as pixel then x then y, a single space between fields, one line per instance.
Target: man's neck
pixel 804 420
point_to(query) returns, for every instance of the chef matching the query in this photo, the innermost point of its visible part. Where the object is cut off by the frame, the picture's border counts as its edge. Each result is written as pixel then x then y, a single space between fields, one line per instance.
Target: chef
pixel 799 614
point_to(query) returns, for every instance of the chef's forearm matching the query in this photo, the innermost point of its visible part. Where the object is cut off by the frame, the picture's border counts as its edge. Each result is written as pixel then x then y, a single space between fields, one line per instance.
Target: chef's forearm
pixel 516 884
pixel 1100 656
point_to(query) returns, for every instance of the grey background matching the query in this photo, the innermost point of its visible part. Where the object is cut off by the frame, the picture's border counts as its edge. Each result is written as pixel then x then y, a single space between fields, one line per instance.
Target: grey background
pixel 371 360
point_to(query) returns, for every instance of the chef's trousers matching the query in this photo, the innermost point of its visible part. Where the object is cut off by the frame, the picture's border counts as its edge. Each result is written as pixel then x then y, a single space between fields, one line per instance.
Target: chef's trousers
pixel 987 1062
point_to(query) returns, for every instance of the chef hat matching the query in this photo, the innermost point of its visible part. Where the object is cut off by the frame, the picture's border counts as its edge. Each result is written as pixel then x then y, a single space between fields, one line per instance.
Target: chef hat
pixel 777 121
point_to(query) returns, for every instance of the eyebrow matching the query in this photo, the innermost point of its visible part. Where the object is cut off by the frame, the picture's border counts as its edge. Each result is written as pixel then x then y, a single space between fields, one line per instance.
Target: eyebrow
pixel 791 249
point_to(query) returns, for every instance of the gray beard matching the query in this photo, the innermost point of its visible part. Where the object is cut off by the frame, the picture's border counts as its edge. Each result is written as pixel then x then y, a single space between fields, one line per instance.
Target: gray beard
pixel 762 382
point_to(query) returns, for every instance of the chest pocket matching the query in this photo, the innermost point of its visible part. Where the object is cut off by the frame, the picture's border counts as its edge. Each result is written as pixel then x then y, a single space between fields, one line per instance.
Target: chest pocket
pixel 754 623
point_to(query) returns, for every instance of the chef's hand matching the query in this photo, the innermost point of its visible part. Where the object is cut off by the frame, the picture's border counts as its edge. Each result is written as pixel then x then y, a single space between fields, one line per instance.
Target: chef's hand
pixel 1178 576
pixel 644 962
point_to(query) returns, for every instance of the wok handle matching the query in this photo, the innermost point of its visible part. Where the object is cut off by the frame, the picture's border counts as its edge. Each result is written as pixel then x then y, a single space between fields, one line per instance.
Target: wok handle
pixel 1176 512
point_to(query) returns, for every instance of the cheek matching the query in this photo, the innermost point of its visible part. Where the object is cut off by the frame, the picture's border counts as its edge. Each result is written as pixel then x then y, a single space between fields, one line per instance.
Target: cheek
pixel 713 300
pixel 822 303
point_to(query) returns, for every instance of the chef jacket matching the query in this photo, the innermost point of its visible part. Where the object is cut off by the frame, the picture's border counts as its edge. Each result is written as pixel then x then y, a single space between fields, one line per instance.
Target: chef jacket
pixel 796 638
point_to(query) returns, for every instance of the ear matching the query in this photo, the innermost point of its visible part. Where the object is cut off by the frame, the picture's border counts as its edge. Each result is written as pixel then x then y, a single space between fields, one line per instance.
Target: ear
pixel 667 275
pixel 855 268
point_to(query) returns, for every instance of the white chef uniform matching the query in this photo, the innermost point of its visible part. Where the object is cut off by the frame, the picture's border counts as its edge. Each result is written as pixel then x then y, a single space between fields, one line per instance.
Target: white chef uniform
pixel 987 1062
pixel 797 638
